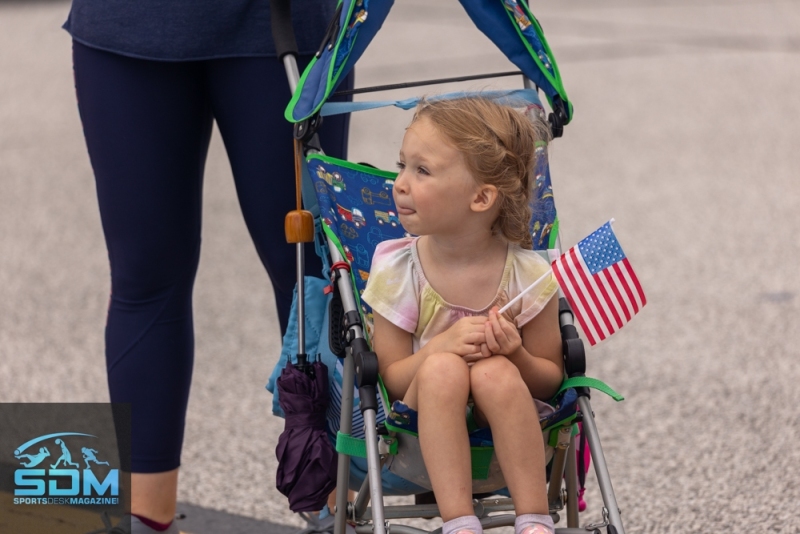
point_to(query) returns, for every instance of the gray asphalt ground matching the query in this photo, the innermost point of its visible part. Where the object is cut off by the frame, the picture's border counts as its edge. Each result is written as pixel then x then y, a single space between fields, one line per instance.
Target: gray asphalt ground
pixel 686 124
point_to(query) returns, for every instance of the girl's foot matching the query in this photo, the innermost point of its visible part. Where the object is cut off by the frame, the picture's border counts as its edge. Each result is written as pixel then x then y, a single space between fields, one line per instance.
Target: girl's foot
pixel 468 524
pixel 534 524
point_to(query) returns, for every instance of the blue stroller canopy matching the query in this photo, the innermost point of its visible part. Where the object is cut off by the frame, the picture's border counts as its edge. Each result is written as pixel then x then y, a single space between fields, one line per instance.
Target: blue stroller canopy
pixel 508 23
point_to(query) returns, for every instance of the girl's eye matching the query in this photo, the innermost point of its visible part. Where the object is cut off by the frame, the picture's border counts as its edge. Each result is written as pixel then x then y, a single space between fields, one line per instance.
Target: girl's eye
pixel 401 165
pixel 423 170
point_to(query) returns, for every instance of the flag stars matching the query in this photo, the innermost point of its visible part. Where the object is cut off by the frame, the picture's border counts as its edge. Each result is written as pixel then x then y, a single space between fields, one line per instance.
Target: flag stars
pixel 601 249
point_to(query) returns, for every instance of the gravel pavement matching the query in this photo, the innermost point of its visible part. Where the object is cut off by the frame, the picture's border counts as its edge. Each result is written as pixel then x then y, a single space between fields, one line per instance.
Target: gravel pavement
pixel 686 124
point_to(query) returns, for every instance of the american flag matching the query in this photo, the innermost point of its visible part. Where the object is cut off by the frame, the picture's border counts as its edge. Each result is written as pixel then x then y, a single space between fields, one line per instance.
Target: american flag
pixel 599 284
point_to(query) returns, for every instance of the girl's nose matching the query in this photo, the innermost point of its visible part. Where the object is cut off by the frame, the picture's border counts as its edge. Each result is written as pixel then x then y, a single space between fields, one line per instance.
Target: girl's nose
pixel 400 183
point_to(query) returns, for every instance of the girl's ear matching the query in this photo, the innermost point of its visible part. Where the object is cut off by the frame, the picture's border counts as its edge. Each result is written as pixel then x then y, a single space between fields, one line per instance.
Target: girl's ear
pixel 485 198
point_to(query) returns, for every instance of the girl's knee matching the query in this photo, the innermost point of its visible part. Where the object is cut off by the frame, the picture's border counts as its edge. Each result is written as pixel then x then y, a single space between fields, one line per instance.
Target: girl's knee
pixel 444 372
pixel 496 365
pixel 496 377
pixel 443 362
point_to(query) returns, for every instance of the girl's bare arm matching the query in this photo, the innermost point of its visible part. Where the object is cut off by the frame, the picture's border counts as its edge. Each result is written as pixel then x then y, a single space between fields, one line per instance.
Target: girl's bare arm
pixel 539 359
pixel 393 345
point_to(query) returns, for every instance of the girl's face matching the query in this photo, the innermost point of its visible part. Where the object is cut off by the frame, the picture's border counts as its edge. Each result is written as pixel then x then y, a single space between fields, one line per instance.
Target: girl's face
pixel 434 189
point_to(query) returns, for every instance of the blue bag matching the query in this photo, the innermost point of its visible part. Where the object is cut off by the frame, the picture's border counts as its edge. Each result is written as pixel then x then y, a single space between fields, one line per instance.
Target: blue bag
pixel 316 312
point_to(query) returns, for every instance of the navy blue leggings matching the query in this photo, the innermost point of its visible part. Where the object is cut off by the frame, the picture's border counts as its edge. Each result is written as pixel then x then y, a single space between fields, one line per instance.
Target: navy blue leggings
pixel 147 126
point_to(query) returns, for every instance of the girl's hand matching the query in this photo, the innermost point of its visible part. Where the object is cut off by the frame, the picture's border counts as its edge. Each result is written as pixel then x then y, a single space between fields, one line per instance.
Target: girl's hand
pixel 464 338
pixel 502 336
pixel 472 358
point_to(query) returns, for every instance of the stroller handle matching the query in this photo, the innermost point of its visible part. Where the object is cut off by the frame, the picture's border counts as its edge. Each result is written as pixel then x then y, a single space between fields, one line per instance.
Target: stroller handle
pixel 282 30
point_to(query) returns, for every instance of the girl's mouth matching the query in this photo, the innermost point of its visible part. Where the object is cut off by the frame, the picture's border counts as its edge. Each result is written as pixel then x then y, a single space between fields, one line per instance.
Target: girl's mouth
pixel 404 211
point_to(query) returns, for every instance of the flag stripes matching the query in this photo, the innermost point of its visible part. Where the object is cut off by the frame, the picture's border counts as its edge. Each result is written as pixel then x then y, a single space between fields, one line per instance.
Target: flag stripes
pixel 576 300
pixel 639 294
pixel 605 299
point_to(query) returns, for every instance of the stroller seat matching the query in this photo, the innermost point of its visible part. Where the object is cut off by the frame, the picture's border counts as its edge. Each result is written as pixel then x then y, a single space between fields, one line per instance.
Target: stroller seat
pixel 486 474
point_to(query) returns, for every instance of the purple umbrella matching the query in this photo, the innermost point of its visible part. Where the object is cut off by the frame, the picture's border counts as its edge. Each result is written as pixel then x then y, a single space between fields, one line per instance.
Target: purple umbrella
pixel 306 457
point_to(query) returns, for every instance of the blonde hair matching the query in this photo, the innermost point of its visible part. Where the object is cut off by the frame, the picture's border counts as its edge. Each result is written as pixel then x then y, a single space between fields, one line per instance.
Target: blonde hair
pixel 499 148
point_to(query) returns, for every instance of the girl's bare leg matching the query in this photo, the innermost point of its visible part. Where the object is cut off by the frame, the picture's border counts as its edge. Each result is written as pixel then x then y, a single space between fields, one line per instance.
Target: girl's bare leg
pixel 504 402
pixel 439 392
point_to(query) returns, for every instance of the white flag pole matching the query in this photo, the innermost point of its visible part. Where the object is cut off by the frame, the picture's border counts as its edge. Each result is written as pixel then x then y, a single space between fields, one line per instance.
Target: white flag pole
pixel 515 299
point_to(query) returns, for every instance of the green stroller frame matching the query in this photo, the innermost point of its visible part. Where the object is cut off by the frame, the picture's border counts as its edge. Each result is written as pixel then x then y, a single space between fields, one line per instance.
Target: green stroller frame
pixel 339 52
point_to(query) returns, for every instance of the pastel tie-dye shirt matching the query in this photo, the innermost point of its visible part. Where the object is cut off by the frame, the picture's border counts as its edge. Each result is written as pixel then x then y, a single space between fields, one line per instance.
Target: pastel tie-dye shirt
pixel 398 290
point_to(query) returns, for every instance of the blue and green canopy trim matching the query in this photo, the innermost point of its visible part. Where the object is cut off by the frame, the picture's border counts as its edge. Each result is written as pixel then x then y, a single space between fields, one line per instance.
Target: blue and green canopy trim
pixel 508 23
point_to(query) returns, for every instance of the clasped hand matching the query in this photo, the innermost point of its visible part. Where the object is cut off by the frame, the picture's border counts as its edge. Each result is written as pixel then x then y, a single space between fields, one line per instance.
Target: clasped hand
pixel 475 338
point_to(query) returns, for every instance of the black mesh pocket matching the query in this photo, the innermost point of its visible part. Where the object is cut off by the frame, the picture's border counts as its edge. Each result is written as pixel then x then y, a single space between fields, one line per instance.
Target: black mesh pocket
pixel 336 330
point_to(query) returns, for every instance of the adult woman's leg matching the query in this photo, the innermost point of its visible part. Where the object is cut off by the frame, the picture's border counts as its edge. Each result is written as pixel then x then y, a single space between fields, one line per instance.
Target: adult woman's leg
pixel 249 96
pixel 147 126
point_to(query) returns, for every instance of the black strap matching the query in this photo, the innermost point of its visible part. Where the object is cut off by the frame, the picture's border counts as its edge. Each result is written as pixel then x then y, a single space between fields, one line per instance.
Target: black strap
pixel 582 459
pixel 280 12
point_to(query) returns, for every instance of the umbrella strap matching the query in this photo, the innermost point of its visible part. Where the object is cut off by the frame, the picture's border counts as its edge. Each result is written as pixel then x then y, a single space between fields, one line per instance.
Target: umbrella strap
pixel 350 446
pixel 316 421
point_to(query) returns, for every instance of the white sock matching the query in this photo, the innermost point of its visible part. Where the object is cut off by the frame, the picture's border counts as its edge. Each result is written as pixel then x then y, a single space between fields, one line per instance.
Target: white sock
pixel 531 520
pixel 466 522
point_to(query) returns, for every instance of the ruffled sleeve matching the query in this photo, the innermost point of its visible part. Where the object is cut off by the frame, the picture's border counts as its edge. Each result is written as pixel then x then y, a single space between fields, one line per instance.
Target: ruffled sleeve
pixel 392 289
pixel 528 267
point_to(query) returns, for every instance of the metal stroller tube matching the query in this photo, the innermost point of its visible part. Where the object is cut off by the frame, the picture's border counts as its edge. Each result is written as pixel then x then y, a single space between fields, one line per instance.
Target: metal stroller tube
pixel 292 71
pixel 600 466
pixel 368 410
pixel 571 477
pixel 346 427
pixel 374 473
pixel 301 300
pixel 346 423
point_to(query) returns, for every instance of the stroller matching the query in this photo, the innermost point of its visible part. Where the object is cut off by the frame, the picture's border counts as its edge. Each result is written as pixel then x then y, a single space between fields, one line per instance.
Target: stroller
pixel 348 211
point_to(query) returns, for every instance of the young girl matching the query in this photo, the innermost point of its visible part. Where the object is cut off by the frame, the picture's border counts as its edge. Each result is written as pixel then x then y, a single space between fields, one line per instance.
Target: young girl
pixel 464 188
